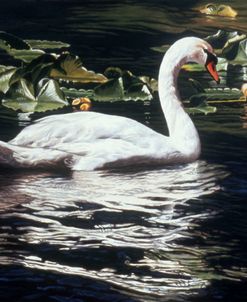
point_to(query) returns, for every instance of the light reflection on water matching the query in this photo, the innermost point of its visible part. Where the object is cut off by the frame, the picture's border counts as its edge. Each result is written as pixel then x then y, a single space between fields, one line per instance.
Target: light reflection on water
pixel 122 228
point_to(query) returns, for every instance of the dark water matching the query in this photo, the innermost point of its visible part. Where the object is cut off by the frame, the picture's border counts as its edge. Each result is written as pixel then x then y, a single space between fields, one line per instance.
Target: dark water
pixel 169 234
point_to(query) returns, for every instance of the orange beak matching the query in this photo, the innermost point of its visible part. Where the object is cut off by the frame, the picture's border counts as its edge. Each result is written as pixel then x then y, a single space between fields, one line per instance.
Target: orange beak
pixel 211 67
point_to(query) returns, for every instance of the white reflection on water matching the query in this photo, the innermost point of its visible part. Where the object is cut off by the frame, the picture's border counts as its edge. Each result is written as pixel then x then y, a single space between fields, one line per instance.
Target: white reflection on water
pixel 88 212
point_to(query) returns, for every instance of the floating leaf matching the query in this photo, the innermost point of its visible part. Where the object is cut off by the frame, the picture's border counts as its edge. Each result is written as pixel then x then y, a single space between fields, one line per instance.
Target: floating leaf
pixel 5 77
pixel 22 97
pixel 25 55
pixel 197 86
pixel 231 47
pixel 5 68
pixel 11 41
pixel 161 49
pixel 216 95
pixel 151 82
pixel 220 38
pixel 50 97
pixel 193 67
pixel 113 72
pixel 241 56
pixel 35 70
pixel 73 70
pixel 138 91
pixel 219 10
pixel 40 67
pixel 201 109
pixel 45 44
pixel 110 91
pixel 77 93
pixel 18 49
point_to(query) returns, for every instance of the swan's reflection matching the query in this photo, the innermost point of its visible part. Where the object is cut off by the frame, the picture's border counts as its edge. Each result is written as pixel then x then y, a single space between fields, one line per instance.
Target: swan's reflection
pixel 117 227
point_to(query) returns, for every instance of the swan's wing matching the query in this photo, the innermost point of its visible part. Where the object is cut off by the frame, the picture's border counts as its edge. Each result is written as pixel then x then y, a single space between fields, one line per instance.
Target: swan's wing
pixel 97 140
pixel 57 129
pixel 89 134
pixel 82 127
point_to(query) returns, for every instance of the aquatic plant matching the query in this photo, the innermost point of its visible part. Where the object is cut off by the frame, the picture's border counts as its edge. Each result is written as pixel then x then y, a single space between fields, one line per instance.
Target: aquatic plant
pixel 46 76
pixel 45 80
pixel 221 10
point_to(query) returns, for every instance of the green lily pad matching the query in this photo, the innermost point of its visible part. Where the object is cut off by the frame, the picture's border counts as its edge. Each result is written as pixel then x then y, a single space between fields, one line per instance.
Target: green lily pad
pixel 205 109
pixel 241 55
pixel 50 97
pixel 77 93
pixel 5 77
pixel 25 55
pixel 113 72
pixel 11 41
pixel 230 45
pixel 17 48
pixel 45 44
pixel 205 95
pixel 112 90
pixel 151 82
pixel 138 91
pixel 22 97
pixel 161 49
pixel 220 38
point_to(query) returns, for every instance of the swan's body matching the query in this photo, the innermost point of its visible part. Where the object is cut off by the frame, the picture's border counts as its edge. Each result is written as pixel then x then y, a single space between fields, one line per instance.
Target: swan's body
pixel 90 140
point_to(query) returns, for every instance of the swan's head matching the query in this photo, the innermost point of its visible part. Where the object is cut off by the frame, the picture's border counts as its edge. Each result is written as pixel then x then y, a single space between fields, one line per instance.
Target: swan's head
pixel 202 53
pixel 192 49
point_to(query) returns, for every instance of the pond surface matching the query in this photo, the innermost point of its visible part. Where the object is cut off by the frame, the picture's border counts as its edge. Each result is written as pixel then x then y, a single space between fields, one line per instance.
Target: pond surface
pixel 170 234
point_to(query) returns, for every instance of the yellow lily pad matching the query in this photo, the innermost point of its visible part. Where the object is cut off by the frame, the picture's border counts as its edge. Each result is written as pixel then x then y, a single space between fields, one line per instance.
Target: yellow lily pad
pixel 219 10
pixel 69 68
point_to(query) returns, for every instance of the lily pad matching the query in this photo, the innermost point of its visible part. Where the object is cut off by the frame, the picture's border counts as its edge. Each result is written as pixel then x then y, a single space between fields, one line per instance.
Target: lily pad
pixel 205 109
pixel 11 41
pixel 138 91
pixel 212 95
pixel 241 55
pixel 230 45
pixel 77 93
pixel 22 97
pixel 220 38
pixel 113 72
pixel 45 44
pixel 112 90
pixel 25 55
pixel 161 49
pixel 5 77
pixel 74 71
pixel 50 97
pixel 151 82
pixel 219 10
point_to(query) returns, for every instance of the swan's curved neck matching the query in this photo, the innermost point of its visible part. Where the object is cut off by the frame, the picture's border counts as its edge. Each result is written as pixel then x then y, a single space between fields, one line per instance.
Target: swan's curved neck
pixel 182 131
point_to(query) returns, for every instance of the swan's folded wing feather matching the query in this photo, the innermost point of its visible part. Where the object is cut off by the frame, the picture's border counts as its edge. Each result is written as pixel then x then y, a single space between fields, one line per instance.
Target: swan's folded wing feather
pixel 106 138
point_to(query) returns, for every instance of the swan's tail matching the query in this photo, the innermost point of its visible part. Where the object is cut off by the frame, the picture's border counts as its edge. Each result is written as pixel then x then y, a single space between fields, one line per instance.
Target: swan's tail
pixel 6 154
pixel 25 157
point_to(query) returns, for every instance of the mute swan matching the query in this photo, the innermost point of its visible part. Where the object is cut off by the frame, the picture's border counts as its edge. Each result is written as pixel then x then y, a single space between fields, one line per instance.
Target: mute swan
pixel 90 140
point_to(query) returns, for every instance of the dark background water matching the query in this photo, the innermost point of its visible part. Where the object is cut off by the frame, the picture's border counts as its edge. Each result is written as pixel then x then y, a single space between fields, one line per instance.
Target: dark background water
pixel 176 234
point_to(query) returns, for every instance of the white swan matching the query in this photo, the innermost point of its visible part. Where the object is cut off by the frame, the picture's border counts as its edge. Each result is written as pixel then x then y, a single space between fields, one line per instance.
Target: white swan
pixel 90 140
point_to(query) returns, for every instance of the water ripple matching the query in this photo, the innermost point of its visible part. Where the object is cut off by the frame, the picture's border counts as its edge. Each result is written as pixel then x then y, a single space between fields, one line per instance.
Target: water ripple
pixel 123 228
